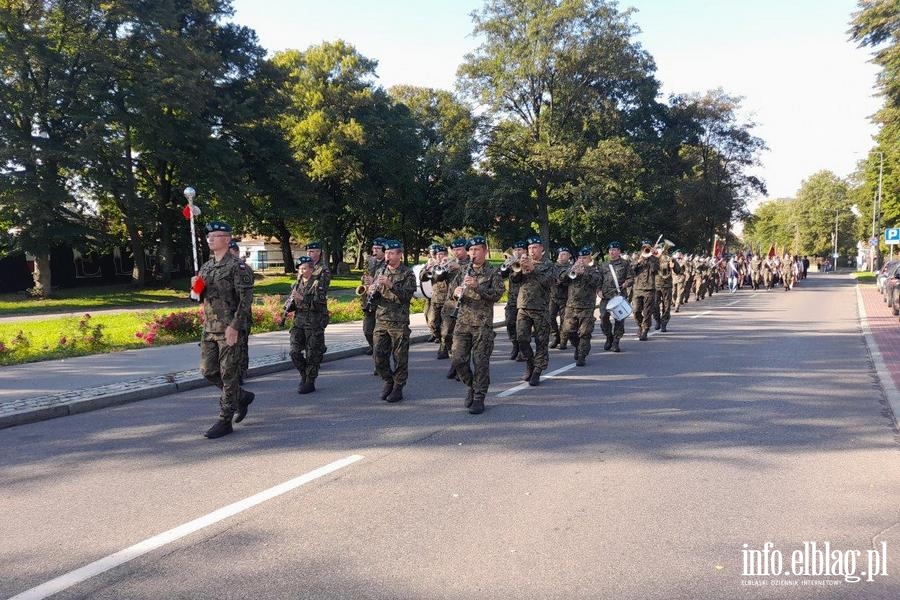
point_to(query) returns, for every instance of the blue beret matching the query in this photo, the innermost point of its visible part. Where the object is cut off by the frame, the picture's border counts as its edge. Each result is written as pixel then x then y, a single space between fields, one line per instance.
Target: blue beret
pixel 218 226
pixel 615 245
pixel 535 239
pixel 392 245
pixel 585 251
pixel 439 248
pixel 477 240
pixel 303 260
pixel 520 244
pixel 233 245
pixel 314 246
pixel 563 249
pixel 458 243
pixel 379 242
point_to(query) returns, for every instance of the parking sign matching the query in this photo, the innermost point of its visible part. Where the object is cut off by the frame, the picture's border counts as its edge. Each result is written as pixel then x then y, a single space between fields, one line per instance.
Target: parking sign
pixel 892 235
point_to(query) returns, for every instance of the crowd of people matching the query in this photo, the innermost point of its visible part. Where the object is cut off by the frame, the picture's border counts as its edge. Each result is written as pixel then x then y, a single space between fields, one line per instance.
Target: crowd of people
pixel 550 304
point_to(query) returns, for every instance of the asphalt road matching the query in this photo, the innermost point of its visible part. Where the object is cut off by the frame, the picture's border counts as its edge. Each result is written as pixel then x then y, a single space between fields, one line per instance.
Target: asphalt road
pixel 756 418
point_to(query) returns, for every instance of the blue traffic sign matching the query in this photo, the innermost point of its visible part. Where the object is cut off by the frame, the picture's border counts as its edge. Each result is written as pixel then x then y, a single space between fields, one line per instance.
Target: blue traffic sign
pixel 892 235
pixel 873 241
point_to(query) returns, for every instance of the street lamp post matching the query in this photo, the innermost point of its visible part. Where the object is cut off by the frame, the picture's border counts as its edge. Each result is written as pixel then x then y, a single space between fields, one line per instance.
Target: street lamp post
pixel 835 255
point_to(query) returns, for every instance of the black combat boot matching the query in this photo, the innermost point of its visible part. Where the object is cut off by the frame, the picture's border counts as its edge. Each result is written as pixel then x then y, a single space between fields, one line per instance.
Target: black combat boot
pixel 245 401
pixel 664 327
pixel 442 354
pixel 579 362
pixel 555 342
pixel 470 397
pixel 615 346
pixel 308 386
pixel 515 351
pixel 396 394
pixel 658 325
pixel 369 351
pixel 535 378
pixel 527 374
pixel 609 342
pixel 387 389
pixel 643 336
pixel 477 406
pixel 222 427
pixel 451 372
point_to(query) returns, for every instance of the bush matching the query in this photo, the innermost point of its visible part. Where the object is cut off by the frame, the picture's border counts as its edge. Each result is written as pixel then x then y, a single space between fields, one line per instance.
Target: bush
pixel 174 327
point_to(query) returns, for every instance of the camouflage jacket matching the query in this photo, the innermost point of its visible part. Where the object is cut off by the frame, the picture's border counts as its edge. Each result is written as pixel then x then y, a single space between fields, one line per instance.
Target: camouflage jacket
pixel 664 275
pixel 513 294
pixel 313 293
pixel 679 272
pixel 447 277
pixel 560 293
pixel 228 296
pixel 392 303
pixel 624 273
pixel 534 293
pixel 477 306
pixel 373 266
pixel 645 270
pixel 581 291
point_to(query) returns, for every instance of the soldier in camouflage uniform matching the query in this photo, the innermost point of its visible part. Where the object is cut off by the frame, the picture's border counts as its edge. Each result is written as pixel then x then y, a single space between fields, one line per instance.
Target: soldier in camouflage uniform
pixel 244 342
pixel 581 300
pixel 392 294
pixel 511 312
pixel 374 263
pixel 478 288
pixel 310 305
pixel 662 308
pixel 558 298
pixel 439 293
pixel 701 274
pixel 611 287
pixel 536 277
pixel 645 266
pixel 679 278
pixel 458 249
pixel 227 295
pixel 755 271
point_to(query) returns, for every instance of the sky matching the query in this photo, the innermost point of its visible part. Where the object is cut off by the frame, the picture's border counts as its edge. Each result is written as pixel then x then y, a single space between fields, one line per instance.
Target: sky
pixel 809 90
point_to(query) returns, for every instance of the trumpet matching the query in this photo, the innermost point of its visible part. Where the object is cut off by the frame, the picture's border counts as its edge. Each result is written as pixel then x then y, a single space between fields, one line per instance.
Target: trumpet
pixel 448 264
pixel 525 264
pixel 508 259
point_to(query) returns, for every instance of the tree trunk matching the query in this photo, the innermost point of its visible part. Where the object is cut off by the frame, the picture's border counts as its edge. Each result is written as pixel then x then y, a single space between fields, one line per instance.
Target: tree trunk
pixel 139 271
pixel 544 220
pixel 41 275
pixel 284 238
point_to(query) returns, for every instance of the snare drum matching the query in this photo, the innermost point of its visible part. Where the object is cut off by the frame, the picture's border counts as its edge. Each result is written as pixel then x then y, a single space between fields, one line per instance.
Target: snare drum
pixel 619 308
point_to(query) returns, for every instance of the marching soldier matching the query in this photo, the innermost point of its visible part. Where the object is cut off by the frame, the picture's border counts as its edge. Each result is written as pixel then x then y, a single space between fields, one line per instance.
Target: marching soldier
pixel 787 272
pixel 512 296
pixel 662 307
pixel 646 266
pixel 310 305
pixel 244 342
pixel 755 271
pixel 679 278
pixel 439 291
pixel 581 282
pixel 374 264
pixel 392 290
pixel 477 288
pixel 226 291
pixel 558 298
pixel 701 272
pixel 535 276
pixel 459 262
pixel 618 278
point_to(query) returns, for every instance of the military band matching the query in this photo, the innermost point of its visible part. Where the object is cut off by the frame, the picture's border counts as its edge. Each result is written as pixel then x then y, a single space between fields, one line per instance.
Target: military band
pixel 309 303
pixel 535 276
pixel 581 282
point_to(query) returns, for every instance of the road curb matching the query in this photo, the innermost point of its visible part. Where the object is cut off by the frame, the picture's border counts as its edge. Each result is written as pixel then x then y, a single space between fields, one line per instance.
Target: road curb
pixel 891 394
pixel 63 404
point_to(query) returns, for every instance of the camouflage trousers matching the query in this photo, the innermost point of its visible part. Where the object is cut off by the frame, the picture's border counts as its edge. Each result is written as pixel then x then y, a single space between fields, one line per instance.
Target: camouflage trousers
pixel 608 325
pixel 700 287
pixel 448 324
pixel 578 325
pixel 678 294
pixel 369 326
pixel 642 305
pixel 557 318
pixel 534 324
pixel 662 308
pixel 473 346
pixel 220 364
pixel 434 318
pixel 512 314
pixel 391 340
pixel 308 343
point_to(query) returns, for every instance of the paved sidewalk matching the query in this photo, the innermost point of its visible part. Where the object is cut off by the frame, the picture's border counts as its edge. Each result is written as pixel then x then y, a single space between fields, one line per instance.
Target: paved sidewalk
pixel 44 390
pixel 882 332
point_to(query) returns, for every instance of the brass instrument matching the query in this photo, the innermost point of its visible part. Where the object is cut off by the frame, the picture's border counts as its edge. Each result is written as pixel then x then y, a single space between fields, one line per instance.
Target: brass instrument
pixel 509 258
pixel 448 264
pixel 525 264
pixel 289 304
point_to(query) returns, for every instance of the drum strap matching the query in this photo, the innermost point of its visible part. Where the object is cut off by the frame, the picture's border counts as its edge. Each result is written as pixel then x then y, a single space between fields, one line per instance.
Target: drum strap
pixel 615 279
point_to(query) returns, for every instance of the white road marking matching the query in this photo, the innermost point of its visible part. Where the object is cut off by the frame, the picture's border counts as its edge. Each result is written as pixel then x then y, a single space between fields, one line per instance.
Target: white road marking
pixel 71 578
pixel 525 385
pixel 705 312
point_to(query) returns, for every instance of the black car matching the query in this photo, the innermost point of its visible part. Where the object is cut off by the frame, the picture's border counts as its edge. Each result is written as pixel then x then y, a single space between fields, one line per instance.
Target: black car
pixel 892 289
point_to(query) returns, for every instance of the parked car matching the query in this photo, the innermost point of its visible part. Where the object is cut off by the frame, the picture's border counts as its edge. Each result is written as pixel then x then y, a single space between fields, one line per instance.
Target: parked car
pixel 882 274
pixel 892 289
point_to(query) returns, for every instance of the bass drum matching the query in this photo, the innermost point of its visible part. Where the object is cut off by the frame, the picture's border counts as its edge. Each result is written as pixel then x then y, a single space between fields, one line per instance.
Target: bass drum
pixel 423 288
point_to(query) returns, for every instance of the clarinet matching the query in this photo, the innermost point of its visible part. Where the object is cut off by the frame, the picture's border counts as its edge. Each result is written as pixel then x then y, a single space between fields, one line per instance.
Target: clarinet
pixel 455 312
pixel 289 304
pixel 373 295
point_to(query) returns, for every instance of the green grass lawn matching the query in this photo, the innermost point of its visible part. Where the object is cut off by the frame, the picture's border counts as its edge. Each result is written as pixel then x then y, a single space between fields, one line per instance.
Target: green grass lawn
pixel 864 276
pixel 62 337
